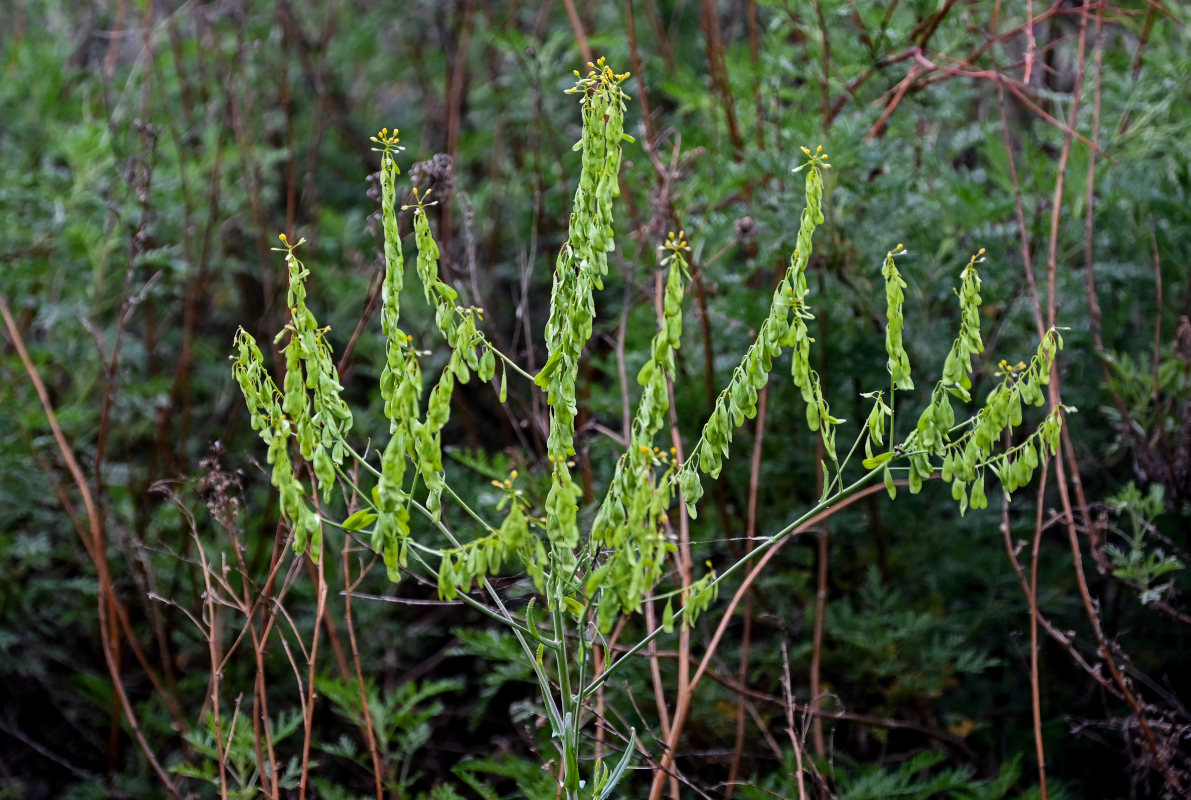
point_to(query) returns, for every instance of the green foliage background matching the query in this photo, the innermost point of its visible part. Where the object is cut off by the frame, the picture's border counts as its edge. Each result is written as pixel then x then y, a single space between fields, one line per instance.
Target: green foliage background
pixel 150 154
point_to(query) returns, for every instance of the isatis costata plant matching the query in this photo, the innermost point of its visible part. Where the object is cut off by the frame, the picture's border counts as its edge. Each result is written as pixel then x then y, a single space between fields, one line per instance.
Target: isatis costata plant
pixel 587 571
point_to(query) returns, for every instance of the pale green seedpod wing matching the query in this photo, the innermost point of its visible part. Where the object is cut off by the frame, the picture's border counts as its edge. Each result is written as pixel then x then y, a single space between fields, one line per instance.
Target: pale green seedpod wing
pixel 397 370
pixel 899 362
pixel 310 409
pixel 966 459
pixel 785 326
pixel 628 524
pixel 579 271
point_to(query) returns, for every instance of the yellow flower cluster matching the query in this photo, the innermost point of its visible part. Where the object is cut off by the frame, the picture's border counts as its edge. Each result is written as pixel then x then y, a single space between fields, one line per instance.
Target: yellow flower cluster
pixel 658 456
pixel 420 200
pixel 599 75
pixel 1005 368
pixel 678 242
pixel 388 144
pixel 817 159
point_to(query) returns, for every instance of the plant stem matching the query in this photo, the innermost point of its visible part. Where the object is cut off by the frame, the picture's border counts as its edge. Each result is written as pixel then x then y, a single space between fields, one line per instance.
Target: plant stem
pixel 765 546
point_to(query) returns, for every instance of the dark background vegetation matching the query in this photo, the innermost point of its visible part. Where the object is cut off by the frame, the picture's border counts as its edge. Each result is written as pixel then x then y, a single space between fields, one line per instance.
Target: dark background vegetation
pixel 150 153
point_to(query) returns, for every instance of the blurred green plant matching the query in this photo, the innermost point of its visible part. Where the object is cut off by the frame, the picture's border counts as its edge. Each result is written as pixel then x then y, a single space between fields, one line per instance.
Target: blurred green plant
pixel 1139 563
pixel 233 766
pixel 398 721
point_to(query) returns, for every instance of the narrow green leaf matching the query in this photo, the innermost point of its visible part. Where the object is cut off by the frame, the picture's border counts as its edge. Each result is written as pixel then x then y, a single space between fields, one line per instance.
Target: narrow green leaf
pixel 877 460
pixel 619 770
pixel 359 520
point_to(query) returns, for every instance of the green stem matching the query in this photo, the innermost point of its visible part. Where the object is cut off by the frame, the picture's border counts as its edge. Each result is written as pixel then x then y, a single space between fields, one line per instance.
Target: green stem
pixel 506 617
pixel 478 606
pixel 468 509
pixel 361 460
pixel 840 466
pixel 753 555
pixel 571 702
pixel 510 362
